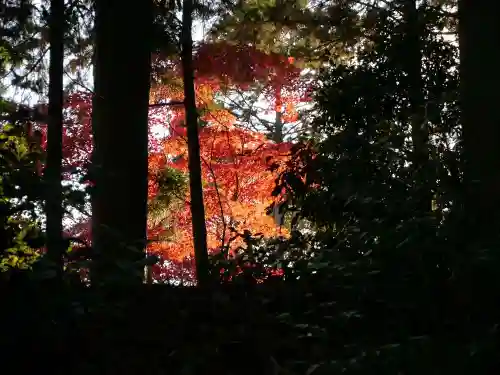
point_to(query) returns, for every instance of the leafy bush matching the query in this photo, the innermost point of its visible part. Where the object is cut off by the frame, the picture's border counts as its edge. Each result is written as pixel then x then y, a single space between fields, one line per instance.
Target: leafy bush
pixel 21 192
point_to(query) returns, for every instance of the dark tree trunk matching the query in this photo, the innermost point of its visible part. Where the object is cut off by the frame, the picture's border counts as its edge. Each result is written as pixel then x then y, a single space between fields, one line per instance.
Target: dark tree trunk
pixel 479 34
pixel 277 136
pixel 195 182
pixel 120 129
pixel 53 203
pixel 418 123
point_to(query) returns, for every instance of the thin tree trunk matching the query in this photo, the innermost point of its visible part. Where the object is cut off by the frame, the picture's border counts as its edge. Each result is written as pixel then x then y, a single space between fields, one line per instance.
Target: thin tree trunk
pixel 195 182
pixel 120 130
pixel 53 171
pixel 419 129
pixel 277 136
pixel 479 35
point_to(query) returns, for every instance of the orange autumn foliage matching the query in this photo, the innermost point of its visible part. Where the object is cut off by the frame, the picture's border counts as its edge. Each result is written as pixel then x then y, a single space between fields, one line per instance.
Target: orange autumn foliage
pixel 235 162
pixel 238 182
pixel 237 186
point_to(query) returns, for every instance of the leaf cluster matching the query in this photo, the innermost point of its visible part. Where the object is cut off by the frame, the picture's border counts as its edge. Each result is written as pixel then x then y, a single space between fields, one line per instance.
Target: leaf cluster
pixel 21 194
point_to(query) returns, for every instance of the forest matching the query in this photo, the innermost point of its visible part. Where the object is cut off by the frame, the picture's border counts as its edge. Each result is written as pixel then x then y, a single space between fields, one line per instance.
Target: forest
pixel 282 187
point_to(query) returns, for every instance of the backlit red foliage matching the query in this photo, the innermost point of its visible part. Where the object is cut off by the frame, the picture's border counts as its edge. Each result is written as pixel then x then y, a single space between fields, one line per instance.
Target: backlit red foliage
pixel 242 65
pixel 238 185
pixel 235 161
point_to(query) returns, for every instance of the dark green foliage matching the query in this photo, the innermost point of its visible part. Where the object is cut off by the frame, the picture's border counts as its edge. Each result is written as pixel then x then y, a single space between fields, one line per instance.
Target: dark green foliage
pixel 23 45
pixel 20 194
pixel 172 185
pixel 22 190
pixel 292 27
pixel 404 300
pixel 360 171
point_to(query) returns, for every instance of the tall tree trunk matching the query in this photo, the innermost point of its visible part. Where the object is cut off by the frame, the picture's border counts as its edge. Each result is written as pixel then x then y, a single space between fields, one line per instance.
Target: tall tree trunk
pixel 120 131
pixel 277 136
pixel 195 182
pixel 479 37
pixel 419 130
pixel 53 204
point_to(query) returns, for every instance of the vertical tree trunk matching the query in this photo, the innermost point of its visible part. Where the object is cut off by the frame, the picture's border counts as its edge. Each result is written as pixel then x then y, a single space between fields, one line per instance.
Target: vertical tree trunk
pixel 53 204
pixel 479 36
pixel 120 128
pixel 419 130
pixel 277 136
pixel 195 182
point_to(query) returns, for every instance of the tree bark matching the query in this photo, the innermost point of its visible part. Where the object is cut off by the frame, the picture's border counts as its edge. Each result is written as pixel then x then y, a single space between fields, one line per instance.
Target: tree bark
pixel 120 129
pixel 418 123
pixel 195 181
pixel 479 37
pixel 53 172
pixel 277 136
